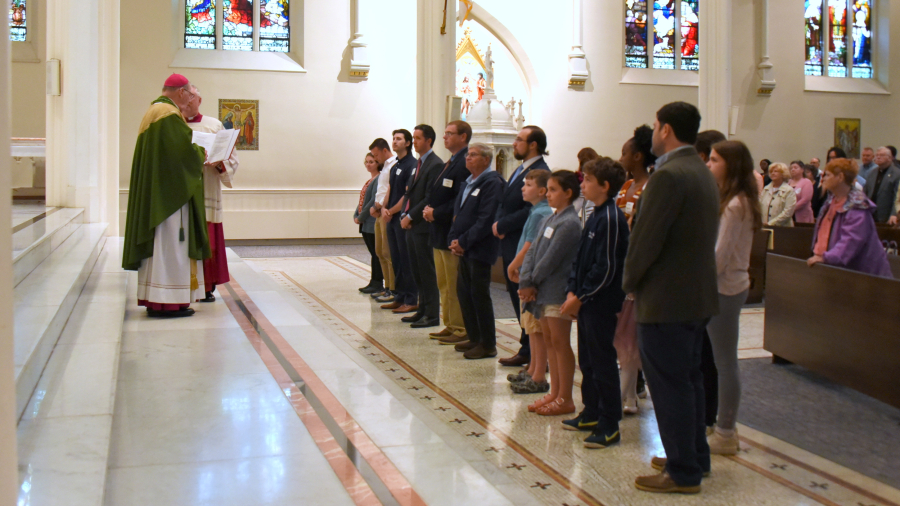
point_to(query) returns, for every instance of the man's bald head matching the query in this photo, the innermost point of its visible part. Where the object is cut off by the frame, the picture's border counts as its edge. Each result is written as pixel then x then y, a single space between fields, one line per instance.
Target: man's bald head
pixel 883 157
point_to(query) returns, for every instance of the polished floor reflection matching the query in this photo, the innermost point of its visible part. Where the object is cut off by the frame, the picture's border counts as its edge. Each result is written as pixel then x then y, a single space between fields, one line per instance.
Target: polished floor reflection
pixel 293 388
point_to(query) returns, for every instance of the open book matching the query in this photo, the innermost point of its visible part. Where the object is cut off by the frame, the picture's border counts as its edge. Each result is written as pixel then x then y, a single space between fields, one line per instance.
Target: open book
pixel 218 145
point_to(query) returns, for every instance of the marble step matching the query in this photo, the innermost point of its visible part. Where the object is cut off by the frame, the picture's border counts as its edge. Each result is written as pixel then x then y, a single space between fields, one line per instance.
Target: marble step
pixel 43 301
pixel 33 243
pixel 65 433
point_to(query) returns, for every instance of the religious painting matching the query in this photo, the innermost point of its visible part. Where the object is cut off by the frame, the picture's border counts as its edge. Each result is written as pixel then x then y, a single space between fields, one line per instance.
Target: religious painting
pixel 242 115
pixel 470 73
pixel 847 135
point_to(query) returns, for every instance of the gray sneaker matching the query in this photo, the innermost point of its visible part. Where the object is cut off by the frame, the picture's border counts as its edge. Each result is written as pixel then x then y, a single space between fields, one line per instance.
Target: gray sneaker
pixel 529 386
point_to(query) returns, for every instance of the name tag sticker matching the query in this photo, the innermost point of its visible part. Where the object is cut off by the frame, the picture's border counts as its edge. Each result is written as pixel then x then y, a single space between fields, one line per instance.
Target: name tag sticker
pixel 448 183
pixel 399 171
pixel 475 192
pixel 548 232
pixel 797 190
pixel 629 207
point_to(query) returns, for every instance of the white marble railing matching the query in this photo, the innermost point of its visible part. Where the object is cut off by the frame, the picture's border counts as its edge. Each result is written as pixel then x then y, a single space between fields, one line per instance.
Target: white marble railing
pixel 21 147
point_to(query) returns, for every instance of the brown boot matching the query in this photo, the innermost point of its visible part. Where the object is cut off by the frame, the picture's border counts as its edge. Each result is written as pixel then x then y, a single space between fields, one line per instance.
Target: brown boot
pixel 480 352
pixel 454 340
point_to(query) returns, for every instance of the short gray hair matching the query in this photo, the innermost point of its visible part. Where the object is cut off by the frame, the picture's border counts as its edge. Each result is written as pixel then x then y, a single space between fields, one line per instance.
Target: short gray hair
pixel 484 150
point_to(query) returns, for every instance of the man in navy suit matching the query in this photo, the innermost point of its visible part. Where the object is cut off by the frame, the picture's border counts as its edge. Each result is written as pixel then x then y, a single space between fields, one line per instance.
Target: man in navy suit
pixel 439 212
pixel 530 147
pixel 418 232
pixel 406 298
pixel 471 239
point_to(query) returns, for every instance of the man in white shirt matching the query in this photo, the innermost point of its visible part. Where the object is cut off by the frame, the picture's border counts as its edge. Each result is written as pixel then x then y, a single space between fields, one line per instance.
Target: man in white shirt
pixel 381 150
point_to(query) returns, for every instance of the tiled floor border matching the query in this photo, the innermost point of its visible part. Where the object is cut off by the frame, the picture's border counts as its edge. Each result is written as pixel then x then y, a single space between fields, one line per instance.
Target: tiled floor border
pixel 538 462
pixel 254 323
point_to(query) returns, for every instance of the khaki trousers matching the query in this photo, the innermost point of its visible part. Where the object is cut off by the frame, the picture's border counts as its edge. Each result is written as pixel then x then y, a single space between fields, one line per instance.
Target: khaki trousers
pixel 446 265
pixel 384 253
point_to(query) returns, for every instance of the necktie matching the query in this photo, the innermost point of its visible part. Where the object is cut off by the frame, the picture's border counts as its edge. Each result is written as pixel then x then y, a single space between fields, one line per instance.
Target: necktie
pixel 416 178
pixel 516 173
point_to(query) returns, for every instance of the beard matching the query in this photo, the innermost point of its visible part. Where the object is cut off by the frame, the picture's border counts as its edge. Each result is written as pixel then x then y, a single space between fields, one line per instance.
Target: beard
pixel 518 156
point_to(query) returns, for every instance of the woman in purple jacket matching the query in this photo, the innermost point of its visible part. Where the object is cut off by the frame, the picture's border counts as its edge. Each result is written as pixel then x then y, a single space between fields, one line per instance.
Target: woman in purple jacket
pixel 845 233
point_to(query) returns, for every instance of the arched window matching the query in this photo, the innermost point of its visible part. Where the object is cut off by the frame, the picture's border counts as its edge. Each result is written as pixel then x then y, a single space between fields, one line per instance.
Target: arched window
pixel 18 28
pixel 235 25
pixel 839 38
pixel 662 34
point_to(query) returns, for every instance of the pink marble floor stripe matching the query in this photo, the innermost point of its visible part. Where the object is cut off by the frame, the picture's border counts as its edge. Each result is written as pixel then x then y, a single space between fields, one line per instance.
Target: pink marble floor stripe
pixel 356 486
pixel 396 483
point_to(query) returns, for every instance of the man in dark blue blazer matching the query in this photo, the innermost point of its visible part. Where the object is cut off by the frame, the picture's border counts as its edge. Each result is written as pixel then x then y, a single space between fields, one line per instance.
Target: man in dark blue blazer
pixel 530 146
pixel 406 298
pixel 418 231
pixel 439 212
pixel 471 239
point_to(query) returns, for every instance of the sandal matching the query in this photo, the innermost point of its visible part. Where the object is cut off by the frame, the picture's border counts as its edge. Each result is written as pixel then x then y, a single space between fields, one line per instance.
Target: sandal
pixel 556 408
pixel 538 404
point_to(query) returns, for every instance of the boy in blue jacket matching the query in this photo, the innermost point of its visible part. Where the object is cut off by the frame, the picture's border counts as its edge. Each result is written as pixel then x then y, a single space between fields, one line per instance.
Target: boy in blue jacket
pixel 595 295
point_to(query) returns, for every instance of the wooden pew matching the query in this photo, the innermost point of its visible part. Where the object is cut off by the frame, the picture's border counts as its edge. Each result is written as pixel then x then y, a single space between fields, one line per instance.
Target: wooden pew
pixel 842 324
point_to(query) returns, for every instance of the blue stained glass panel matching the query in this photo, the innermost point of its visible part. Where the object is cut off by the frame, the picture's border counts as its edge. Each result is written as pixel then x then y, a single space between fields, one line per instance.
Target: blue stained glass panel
pixel 200 24
pixel 237 28
pixel 862 39
pixel 664 34
pixel 274 26
pixel 636 34
pixel 18 29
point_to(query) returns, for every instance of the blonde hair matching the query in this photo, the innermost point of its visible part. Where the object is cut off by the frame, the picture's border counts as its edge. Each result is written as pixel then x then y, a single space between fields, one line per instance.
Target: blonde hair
pixel 780 167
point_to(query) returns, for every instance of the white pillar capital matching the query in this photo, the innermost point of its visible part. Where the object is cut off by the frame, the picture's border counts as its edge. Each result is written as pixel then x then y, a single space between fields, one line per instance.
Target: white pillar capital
pixel 765 67
pixel 359 52
pixel 578 72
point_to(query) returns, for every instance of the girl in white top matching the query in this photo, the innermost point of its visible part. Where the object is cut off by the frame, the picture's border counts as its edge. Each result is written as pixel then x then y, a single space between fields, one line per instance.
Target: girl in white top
pixel 740 215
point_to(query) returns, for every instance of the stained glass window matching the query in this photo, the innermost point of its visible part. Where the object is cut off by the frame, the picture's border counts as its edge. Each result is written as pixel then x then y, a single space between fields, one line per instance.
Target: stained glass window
pixel 839 43
pixel 17 27
pixel 862 39
pixel 636 33
pixel 690 35
pixel 813 15
pixel 237 28
pixel 664 35
pixel 671 26
pixel 837 48
pixel 200 24
pixel 274 26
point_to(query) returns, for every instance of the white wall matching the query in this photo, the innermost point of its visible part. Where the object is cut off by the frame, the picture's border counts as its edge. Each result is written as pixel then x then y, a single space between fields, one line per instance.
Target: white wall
pixel 27 79
pixel 314 130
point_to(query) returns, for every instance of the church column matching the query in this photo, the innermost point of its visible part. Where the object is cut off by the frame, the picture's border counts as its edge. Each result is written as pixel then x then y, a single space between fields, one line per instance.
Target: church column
pixel 765 67
pixel 715 64
pixel 436 65
pixel 359 52
pixel 82 121
pixel 9 476
pixel 578 72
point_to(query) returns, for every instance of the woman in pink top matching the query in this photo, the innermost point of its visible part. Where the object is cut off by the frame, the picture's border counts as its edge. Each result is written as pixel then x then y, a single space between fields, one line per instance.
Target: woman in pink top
pixel 803 212
pixel 739 215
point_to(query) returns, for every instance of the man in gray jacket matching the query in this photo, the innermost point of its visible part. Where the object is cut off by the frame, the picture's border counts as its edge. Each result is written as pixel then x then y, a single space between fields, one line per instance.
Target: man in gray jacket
pixel 671 270
pixel 882 185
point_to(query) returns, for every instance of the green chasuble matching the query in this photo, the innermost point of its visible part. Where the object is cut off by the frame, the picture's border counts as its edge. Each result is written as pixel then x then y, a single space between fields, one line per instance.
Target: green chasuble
pixel 166 174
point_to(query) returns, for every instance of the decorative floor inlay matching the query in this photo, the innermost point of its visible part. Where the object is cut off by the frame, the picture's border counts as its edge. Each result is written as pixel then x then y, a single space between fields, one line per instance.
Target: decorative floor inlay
pixel 473 399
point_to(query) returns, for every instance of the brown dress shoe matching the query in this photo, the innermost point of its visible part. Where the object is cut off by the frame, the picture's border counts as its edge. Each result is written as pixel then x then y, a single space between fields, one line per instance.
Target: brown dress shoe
pixel 444 333
pixel 659 463
pixel 454 339
pixel 662 483
pixel 514 361
pixel 406 308
pixel 480 352
pixel 392 305
pixel 466 346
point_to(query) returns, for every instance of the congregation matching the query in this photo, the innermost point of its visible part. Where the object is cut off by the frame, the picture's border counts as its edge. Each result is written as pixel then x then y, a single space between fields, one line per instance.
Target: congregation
pixel 601 246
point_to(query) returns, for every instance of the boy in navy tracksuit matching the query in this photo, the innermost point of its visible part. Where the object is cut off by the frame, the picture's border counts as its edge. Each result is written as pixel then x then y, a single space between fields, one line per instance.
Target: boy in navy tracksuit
pixel 595 295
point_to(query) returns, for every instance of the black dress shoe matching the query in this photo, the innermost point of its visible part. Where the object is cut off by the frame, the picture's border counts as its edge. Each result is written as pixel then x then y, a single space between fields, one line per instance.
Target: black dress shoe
pixel 426 322
pixel 371 289
pixel 209 298
pixel 412 318
pixel 171 314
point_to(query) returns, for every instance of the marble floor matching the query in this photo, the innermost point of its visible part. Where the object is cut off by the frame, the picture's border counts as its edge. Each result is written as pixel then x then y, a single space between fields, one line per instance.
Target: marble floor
pixel 293 388
pixel 25 212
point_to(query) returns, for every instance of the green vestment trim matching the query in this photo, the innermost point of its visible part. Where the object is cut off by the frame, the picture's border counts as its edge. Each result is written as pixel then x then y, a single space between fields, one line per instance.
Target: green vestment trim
pixel 166 174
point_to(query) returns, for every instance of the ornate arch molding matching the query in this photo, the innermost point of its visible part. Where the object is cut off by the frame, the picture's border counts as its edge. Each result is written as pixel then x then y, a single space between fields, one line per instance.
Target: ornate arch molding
pixel 520 57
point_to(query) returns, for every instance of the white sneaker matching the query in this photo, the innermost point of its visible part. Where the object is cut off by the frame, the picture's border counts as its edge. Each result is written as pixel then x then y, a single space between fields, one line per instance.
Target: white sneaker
pixel 720 444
